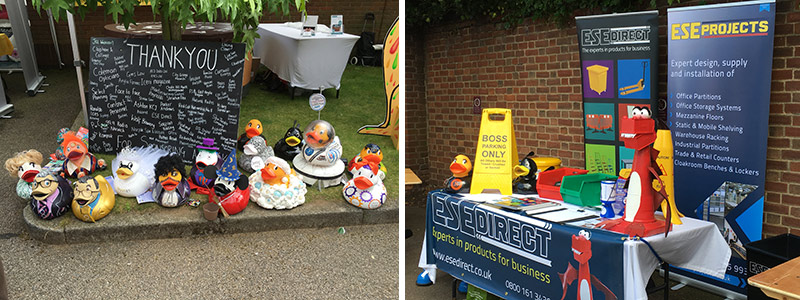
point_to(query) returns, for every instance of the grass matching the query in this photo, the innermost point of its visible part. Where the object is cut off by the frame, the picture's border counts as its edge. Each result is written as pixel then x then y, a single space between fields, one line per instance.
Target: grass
pixel 361 102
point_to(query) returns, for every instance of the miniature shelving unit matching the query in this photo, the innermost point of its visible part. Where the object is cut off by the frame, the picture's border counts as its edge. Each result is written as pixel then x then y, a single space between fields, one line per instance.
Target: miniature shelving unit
pixel 5 107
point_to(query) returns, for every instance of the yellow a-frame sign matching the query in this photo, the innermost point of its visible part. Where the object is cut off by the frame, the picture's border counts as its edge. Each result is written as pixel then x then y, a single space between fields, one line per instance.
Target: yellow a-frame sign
pixel 497 153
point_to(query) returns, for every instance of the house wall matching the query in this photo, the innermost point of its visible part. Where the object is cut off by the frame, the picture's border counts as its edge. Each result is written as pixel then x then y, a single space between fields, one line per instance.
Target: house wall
pixel 533 69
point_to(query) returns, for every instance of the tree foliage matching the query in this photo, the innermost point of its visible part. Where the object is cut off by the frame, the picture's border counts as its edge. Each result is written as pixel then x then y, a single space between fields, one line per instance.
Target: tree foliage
pixel 512 12
pixel 244 15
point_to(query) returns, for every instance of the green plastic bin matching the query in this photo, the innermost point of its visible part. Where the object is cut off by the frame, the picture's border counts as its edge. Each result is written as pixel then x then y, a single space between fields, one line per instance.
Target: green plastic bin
pixel 583 190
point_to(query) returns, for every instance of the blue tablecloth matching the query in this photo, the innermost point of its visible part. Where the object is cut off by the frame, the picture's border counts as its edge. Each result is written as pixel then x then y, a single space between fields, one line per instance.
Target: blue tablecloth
pixel 517 257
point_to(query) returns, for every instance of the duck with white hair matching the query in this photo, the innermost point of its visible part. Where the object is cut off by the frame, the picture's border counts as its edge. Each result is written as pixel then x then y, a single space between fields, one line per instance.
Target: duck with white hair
pixel 134 172
pixel 275 185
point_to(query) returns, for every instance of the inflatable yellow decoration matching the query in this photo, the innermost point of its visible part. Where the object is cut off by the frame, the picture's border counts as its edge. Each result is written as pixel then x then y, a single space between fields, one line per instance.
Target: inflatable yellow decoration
pixel 663 144
pixel 391 81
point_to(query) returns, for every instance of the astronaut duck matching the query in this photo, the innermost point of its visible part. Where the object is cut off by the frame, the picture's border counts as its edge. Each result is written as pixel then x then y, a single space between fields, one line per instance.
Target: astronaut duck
pixel 320 160
pixel 133 170
pixel 366 189
pixel 25 165
pixel 79 161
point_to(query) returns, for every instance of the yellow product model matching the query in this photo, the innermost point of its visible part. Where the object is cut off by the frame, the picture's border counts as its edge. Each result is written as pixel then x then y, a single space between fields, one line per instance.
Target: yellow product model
pixel 597 78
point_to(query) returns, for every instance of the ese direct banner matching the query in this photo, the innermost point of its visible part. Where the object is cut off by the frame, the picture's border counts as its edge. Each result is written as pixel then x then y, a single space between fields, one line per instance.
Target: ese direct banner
pixel 719 73
pixel 518 257
pixel 619 67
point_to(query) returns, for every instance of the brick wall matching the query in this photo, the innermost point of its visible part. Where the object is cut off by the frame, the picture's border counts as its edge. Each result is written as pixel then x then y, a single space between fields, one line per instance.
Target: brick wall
pixel 533 70
pixel 92 25
pixel 416 124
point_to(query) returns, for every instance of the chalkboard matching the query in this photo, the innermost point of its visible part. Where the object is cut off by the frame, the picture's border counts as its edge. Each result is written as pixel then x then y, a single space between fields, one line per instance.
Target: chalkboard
pixel 166 93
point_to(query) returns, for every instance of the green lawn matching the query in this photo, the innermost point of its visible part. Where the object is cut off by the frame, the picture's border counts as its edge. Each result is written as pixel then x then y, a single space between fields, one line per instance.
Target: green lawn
pixel 361 102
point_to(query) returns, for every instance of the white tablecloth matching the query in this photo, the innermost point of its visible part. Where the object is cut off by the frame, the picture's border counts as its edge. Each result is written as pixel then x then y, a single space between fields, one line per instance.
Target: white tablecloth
pixel 695 245
pixel 305 62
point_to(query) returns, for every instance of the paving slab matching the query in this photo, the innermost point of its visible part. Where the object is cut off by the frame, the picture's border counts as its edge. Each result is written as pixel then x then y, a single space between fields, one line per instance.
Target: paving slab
pixel 189 221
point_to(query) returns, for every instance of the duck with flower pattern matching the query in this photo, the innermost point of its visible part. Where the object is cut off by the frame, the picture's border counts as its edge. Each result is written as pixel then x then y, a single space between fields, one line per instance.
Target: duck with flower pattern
pixel 366 189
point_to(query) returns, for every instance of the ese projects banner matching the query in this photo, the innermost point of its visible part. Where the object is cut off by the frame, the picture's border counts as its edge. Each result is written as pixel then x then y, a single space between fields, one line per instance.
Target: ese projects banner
pixel 619 71
pixel 514 256
pixel 719 73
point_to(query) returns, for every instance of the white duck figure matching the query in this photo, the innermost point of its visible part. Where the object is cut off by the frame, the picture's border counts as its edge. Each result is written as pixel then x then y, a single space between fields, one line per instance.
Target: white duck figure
pixel 366 189
pixel 133 170
pixel 275 185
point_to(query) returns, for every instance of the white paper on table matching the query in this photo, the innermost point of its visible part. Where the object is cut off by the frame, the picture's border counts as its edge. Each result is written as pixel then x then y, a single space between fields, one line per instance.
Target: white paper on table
pixel 482 198
pixel 568 214
pixel 146 197
pixel 545 210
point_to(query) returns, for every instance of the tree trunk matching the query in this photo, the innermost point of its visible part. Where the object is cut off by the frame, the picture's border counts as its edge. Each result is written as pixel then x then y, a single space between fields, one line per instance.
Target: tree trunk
pixel 170 29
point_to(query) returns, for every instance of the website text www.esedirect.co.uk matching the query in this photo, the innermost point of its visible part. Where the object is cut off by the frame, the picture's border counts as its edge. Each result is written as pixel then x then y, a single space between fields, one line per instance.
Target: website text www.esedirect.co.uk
pixel 459 263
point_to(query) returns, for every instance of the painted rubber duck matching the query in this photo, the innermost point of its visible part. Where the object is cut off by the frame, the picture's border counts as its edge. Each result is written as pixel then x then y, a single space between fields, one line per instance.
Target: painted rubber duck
pixel 525 173
pixel 371 152
pixel 51 196
pixel 252 129
pixel 133 170
pixel 291 144
pixel 207 155
pixel 230 186
pixel 25 165
pixel 79 161
pixel 461 167
pixel 59 154
pixel 276 186
pixel 255 151
pixel 366 189
pixel 321 160
pixel 94 198
pixel 171 189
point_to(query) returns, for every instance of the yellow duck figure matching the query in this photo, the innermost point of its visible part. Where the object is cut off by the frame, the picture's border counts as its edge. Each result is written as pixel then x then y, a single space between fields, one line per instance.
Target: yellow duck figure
pixel 461 167
pixel 94 198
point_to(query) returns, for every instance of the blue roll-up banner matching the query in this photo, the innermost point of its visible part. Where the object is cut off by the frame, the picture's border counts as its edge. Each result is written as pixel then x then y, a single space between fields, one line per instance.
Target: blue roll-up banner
pixel 517 257
pixel 718 81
